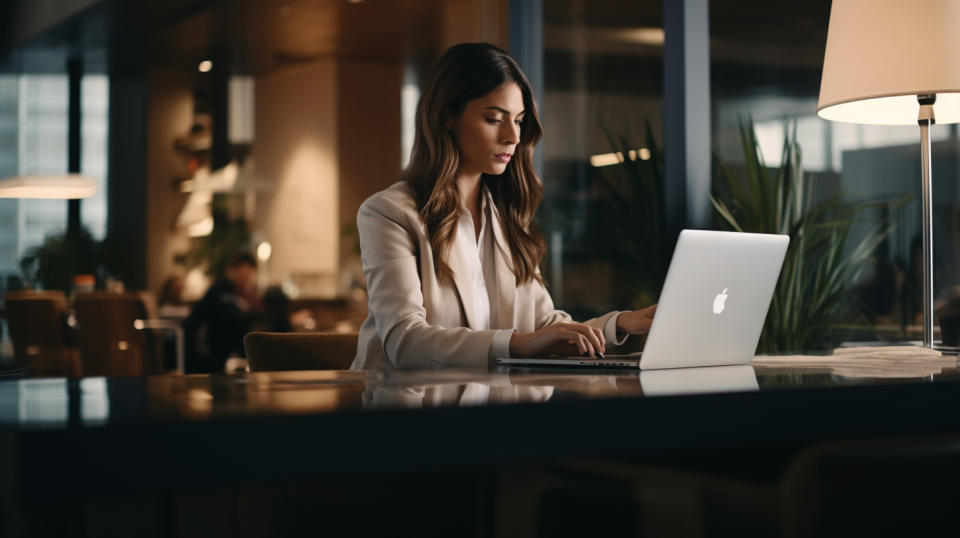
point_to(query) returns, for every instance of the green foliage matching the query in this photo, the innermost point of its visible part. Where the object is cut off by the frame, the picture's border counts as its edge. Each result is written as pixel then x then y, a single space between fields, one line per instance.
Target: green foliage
pixel 230 236
pixel 635 217
pixel 813 295
pixel 53 264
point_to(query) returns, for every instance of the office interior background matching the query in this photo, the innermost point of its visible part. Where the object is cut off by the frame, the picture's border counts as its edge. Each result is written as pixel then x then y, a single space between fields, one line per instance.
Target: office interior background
pixel 264 125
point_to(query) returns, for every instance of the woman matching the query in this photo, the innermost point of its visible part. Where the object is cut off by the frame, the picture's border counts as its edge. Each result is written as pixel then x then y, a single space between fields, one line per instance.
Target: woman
pixel 450 252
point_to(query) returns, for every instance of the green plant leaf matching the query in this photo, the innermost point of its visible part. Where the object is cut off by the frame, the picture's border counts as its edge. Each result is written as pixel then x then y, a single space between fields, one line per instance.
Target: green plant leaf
pixel 814 293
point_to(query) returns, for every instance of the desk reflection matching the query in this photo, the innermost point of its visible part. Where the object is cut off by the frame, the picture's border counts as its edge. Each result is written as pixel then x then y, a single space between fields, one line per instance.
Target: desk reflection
pixel 711 379
pixel 494 389
pixel 530 387
pixel 97 402
pixel 499 388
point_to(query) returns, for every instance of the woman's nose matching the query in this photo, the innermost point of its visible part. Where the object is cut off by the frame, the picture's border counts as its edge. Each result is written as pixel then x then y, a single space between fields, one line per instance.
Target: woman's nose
pixel 511 133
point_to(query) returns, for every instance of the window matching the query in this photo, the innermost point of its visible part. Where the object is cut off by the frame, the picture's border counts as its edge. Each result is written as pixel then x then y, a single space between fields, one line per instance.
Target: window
pixel 33 140
pixel 603 78
pixel 766 66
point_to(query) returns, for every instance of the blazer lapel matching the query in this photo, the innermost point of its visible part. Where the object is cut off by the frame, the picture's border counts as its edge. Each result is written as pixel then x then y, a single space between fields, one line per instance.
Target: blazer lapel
pixel 506 279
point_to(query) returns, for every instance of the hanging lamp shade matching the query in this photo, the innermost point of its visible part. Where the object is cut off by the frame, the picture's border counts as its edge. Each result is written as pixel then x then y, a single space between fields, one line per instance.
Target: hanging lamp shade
pixel 67 186
pixel 882 54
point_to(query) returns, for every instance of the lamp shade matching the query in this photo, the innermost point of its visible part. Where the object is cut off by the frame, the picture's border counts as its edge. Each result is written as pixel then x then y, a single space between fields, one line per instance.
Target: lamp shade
pixel 881 54
pixel 70 186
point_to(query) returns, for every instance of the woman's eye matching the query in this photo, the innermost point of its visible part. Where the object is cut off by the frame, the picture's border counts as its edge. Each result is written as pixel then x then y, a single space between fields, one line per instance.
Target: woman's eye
pixel 493 121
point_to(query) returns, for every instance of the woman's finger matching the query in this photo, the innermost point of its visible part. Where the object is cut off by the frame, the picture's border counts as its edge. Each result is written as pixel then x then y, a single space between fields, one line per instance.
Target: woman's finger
pixel 603 341
pixel 590 349
pixel 579 335
pixel 589 334
pixel 579 342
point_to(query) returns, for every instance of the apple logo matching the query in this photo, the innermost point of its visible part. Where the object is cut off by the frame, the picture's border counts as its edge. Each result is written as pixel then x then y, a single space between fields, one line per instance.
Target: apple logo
pixel 719 302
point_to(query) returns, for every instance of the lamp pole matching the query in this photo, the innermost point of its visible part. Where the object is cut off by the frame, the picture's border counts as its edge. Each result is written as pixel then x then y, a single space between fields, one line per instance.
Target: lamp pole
pixel 925 119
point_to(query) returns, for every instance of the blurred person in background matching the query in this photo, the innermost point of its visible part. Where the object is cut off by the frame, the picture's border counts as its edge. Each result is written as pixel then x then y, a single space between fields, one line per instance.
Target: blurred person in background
pixel 215 328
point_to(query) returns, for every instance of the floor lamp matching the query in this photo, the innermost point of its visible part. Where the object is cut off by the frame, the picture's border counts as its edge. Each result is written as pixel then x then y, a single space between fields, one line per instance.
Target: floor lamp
pixel 893 62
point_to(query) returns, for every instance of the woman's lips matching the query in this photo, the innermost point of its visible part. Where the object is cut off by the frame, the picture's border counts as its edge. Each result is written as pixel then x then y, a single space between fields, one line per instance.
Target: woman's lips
pixel 503 157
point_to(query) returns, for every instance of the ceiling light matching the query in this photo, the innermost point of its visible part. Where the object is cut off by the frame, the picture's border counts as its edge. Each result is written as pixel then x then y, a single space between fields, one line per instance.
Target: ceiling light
pixel 606 159
pixel 263 251
pixel 641 36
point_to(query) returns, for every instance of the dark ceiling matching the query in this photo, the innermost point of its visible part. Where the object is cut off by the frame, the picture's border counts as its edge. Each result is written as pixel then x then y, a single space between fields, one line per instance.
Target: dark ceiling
pixel 257 36
pixel 253 36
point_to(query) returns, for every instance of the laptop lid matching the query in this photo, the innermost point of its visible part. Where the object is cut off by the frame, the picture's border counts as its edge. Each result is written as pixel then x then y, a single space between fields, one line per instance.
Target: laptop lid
pixel 715 299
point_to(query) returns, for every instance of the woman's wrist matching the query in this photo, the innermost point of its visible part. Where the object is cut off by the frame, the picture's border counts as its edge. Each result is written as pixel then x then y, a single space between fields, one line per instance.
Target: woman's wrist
pixel 636 321
pixel 516 344
pixel 621 330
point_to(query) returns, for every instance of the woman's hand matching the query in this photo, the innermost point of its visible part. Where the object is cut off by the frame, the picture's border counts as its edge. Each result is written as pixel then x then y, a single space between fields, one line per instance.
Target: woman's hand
pixel 636 321
pixel 568 339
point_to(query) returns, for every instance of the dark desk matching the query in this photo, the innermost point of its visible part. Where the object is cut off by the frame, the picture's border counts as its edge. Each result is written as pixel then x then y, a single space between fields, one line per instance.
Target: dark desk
pixel 90 437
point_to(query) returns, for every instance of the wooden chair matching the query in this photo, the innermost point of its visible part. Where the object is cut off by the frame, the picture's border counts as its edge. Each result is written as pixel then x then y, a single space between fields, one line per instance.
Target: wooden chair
pixel 37 321
pixel 299 351
pixel 110 345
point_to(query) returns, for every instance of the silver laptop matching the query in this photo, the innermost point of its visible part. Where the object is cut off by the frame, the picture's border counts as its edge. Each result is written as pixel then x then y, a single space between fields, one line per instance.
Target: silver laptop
pixel 712 306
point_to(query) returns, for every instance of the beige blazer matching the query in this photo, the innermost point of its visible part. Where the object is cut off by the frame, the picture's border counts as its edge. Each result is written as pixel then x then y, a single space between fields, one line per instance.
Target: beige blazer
pixel 417 322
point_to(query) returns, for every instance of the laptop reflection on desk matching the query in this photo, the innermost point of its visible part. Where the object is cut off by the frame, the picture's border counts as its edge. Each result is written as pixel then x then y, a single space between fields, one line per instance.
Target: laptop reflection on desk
pixel 712 307
pixel 704 380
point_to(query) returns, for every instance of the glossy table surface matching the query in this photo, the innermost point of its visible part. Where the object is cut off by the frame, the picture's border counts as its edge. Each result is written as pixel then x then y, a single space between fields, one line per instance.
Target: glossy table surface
pixel 167 431
pixel 56 403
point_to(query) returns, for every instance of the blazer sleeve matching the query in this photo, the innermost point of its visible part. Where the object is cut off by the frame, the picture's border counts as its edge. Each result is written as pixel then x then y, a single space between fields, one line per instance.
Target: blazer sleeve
pixel 389 256
pixel 548 315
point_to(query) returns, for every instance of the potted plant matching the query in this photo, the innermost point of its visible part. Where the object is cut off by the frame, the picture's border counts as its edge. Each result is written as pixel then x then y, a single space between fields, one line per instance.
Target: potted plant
pixel 813 297
pixel 634 215
pixel 53 264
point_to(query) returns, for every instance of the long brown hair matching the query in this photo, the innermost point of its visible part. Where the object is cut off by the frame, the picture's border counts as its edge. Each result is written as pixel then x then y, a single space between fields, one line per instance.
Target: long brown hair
pixel 465 72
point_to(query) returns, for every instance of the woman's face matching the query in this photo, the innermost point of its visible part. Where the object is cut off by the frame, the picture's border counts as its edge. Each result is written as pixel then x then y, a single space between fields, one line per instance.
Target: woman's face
pixel 487 131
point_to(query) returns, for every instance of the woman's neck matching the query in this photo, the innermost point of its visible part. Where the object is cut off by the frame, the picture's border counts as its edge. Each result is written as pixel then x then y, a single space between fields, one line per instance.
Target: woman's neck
pixel 469 187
